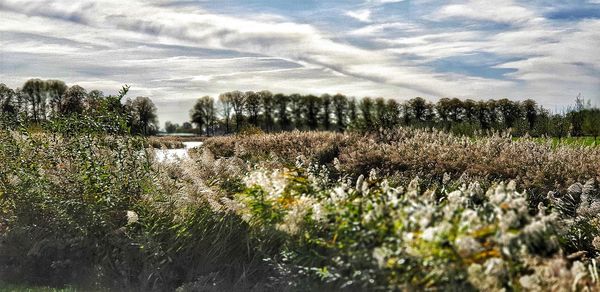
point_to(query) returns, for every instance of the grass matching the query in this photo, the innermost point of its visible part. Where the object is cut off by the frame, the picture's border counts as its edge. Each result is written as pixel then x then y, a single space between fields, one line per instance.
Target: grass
pixel 5 287
pixel 570 141
pixel 402 210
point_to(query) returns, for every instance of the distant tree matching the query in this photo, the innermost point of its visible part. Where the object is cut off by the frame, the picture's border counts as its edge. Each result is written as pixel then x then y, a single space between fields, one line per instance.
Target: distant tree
pixel 55 91
pixel 352 112
pixel 417 109
pixel 8 107
pixel 268 104
pixel 366 110
pixel 483 115
pixel 170 127
pixel 542 125
pixel 93 100
pixel 238 102
pixel 281 102
pixel 510 111
pixel 443 109
pixel 211 114
pixel 591 123
pixel 187 127
pixel 326 109
pixel 381 112
pixel 470 111
pixel 297 110
pixel 225 102
pixel 311 106
pixel 392 114
pixel 203 114
pixel 253 106
pixel 559 126
pixel 340 106
pixel 143 116
pixel 455 110
pixel 35 90
pixel 530 109
pixel 72 101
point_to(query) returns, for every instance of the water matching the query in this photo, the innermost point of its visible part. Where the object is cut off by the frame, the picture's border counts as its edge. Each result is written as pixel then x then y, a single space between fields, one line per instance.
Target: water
pixel 176 154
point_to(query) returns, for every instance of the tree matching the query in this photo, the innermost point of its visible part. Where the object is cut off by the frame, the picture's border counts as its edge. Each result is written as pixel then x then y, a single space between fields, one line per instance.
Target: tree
pixel 93 100
pixel 8 108
pixel 392 113
pixel 296 110
pixel 381 112
pixel 253 105
pixel 366 110
pixel 529 107
pixel 34 90
pixel 416 109
pixel 203 114
pixel 311 105
pixel 591 123
pixel 143 115
pixel 352 112
pixel 225 101
pixel 55 89
pixel 281 104
pixel 559 126
pixel 326 111
pixel 187 127
pixel 510 111
pixel 266 98
pixel 170 127
pixel 72 101
pixel 238 101
pixel 340 105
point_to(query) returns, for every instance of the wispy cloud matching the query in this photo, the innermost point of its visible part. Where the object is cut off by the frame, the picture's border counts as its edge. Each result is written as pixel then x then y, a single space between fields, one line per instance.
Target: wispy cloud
pixel 176 53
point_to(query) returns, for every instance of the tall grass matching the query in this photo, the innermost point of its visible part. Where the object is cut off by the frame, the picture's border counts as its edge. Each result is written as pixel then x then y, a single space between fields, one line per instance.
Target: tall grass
pixel 404 210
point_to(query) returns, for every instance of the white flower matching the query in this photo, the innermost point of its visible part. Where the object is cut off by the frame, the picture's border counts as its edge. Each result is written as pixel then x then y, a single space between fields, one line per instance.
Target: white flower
pixel 319 214
pixel 380 254
pixel 429 233
pixel 132 217
pixel 467 246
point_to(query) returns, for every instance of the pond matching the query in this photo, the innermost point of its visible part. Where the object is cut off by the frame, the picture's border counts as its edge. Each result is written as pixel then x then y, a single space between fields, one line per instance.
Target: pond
pixel 175 154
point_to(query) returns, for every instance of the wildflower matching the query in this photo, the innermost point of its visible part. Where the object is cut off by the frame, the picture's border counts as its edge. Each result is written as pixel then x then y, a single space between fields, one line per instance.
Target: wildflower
pixel 132 217
pixel 380 254
pixel 319 213
pixel 467 246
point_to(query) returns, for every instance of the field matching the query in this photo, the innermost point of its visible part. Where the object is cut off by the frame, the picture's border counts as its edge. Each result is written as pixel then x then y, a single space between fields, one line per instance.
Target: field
pixel 403 210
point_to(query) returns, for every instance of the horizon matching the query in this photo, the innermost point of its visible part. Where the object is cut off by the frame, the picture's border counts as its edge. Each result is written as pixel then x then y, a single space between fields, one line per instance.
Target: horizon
pixel 397 49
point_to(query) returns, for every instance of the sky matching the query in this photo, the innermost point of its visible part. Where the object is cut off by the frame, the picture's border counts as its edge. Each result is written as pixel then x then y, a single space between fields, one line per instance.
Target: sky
pixel 175 51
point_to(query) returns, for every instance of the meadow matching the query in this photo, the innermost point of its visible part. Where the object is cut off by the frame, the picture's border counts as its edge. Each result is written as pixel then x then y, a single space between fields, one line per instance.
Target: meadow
pixel 405 209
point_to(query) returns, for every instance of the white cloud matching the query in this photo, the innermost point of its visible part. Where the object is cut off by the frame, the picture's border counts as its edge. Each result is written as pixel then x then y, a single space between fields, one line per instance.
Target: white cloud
pixel 363 15
pixel 502 11
pixel 176 54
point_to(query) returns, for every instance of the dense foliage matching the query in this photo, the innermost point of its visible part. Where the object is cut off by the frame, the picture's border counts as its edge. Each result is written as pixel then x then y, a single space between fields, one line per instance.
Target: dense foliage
pixel 409 209
pixel 279 112
pixel 42 101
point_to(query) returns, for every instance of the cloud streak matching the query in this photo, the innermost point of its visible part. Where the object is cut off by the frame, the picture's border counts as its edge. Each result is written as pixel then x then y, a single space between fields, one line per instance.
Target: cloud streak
pixel 176 53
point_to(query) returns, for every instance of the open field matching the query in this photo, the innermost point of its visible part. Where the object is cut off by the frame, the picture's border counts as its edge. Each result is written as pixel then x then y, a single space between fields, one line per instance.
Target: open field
pixel 576 141
pixel 408 209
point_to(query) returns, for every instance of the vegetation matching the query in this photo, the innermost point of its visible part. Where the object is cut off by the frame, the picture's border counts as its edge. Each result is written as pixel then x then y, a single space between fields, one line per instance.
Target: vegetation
pixel 401 210
pixel 369 205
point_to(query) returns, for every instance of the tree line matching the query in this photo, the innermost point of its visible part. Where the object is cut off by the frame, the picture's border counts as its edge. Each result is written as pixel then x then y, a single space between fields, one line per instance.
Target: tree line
pixel 39 101
pixel 234 111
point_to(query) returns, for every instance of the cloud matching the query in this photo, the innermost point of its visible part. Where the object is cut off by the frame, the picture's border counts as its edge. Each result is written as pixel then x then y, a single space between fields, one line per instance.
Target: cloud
pixel 176 53
pixel 363 15
pixel 501 11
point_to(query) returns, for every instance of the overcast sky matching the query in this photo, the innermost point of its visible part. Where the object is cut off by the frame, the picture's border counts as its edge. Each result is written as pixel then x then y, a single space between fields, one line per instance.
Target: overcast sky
pixel 177 51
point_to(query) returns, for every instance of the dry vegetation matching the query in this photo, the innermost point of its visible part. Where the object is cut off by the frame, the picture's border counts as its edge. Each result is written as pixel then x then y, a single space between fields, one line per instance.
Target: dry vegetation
pixel 403 210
